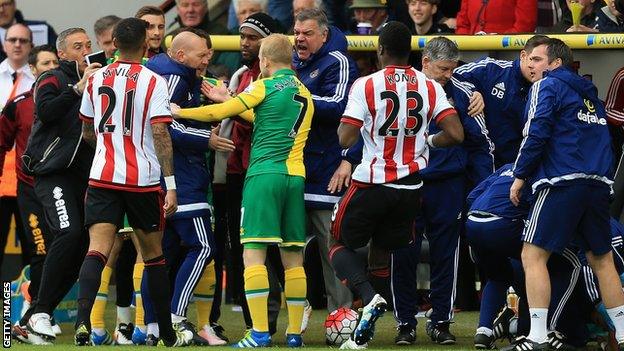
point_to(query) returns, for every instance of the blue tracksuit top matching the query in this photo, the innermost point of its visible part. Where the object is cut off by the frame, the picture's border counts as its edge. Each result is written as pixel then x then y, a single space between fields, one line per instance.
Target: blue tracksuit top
pixel 475 156
pixel 505 91
pixel 566 138
pixel 491 196
pixel 328 74
pixel 189 138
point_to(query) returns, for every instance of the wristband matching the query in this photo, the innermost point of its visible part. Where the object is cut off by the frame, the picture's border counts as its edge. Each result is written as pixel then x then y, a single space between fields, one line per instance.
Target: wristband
pixel 430 141
pixel 170 183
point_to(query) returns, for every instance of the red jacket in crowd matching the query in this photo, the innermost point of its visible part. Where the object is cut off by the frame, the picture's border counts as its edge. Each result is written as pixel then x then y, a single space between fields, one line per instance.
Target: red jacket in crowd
pixel 15 124
pixel 497 16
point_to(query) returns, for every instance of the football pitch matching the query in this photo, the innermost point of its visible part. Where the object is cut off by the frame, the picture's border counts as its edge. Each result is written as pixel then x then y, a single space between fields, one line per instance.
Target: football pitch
pixel 314 338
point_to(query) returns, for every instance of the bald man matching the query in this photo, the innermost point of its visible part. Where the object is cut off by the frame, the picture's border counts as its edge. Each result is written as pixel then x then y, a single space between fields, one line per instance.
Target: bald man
pixel 182 66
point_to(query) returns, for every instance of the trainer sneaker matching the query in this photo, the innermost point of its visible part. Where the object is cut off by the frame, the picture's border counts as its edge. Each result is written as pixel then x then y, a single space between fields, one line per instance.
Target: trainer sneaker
pixel 307 313
pixel 183 338
pixel 350 344
pixel 484 342
pixel 138 337
pixel 207 332
pixel 39 323
pixel 502 322
pixel 151 340
pixel 439 333
pixel 366 324
pixel 294 340
pixel 21 334
pixel 522 343
pixel 123 334
pixel 254 339
pixel 219 331
pixel 82 337
pixel 557 341
pixel 406 335
pixel 106 339
pixel 187 327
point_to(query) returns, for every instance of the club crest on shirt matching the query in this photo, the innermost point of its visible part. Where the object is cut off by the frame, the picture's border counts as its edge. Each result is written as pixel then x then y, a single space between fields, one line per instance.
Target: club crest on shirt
pixel 314 73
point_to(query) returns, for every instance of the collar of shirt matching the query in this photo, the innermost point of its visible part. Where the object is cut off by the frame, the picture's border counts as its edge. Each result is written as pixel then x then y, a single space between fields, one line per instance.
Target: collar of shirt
pixel 5 68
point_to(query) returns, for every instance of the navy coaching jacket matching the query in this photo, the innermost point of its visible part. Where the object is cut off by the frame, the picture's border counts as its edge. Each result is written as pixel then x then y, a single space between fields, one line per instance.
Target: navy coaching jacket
pixel 328 74
pixel 566 138
pixel 189 138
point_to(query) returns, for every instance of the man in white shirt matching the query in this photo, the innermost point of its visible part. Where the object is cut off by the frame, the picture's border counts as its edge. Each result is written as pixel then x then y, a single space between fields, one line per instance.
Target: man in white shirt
pixel 15 75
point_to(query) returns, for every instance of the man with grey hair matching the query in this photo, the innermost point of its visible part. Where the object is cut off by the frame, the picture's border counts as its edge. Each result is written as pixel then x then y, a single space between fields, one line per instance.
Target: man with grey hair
pixel 103 29
pixel 300 5
pixel 322 63
pixel 444 191
pixel 60 161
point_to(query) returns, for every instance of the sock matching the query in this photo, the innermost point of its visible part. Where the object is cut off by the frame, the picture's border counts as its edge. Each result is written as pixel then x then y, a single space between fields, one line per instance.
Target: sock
pixel 152 328
pixel 177 319
pixel 257 293
pixel 98 331
pixel 380 281
pixel 539 318
pixel 158 285
pixel 486 331
pixel 97 313
pixel 492 300
pixel 124 315
pixel 617 317
pixel 295 289
pixel 89 280
pixel 139 314
pixel 204 294
pixel 348 269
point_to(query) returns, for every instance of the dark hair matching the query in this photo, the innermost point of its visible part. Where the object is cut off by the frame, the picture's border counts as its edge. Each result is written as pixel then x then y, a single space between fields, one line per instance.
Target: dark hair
pixel 200 32
pixel 129 34
pixel 396 39
pixel 314 14
pixel 149 10
pixel 32 57
pixel 105 23
pixel 557 49
pixel 535 41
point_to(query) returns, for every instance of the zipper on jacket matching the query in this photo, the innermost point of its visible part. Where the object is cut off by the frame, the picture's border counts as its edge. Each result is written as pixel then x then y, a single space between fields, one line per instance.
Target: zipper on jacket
pixel 49 148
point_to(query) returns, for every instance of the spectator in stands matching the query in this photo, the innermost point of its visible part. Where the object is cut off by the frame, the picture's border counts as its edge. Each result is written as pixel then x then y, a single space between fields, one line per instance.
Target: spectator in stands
pixel 447 12
pixel 194 14
pixel 374 12
pixel 588 17
pixel 614 101
pixel 156 29
pixel 246 8
pixel 322 63
pixel 496 16
pixel 549 14
pixel 43 33
pixel 300 5
pixel 423 14
pixel 610 20
pixel 103 29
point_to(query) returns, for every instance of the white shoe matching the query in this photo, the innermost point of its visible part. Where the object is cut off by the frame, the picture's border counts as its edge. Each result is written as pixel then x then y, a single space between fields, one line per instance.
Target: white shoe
pixel 23 335
pixel 56 328
pixel 213 339
pixel 123 334
pixel 366 325
pixel 39 323
pixel 307 313
pixel 351 345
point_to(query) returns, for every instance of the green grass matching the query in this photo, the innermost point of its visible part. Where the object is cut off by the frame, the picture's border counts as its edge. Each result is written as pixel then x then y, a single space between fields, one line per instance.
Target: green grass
pixel 463 328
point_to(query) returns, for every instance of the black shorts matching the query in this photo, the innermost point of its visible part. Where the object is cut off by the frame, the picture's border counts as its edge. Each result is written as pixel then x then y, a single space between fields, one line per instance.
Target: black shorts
pixel 144 209
pixel 380 213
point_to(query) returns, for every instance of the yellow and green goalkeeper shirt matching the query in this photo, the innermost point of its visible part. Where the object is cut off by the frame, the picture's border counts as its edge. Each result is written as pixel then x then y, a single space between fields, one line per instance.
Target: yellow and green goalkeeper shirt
pixel 282 114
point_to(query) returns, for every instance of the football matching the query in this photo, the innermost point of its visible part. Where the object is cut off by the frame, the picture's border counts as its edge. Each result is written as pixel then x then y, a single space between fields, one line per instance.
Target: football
pixel 339 325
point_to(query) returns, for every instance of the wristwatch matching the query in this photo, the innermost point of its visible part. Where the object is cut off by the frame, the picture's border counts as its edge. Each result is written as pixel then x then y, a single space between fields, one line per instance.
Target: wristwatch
pixel 76 89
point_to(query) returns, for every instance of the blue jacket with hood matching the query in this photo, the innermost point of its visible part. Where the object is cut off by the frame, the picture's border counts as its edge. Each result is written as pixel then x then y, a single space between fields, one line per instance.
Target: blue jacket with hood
pixel 189 138
pixel 328 74
pixel 566 138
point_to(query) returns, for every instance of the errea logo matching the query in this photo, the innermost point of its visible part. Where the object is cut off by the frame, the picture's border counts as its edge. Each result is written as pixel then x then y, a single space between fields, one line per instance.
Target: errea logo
pixel 61 209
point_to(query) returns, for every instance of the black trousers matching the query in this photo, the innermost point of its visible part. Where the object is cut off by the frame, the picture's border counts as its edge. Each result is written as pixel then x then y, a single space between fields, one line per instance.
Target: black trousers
pixel 62 197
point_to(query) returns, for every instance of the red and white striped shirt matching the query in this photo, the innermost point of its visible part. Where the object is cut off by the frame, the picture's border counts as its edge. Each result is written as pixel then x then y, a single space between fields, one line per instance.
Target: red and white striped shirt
pixel 123 100
pixel 393 108
pixel 614 102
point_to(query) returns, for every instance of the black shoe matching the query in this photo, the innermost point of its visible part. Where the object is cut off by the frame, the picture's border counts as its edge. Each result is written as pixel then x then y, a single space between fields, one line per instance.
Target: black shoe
pixel 406 336
pixel 523 344
pixel 439 333
pixel 151 340
pixel 557 341
pixel 219 331
pixel 501 324
pixel 187 325
pixel 484 342
pixel 82 337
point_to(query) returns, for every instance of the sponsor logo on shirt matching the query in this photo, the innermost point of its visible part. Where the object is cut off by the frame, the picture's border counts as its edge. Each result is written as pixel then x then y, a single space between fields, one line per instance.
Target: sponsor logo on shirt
pixel 499 90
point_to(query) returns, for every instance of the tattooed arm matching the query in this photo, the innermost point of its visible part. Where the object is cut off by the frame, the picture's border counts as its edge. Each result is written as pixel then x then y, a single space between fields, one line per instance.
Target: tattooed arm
pixel 88 134
pixel 164 153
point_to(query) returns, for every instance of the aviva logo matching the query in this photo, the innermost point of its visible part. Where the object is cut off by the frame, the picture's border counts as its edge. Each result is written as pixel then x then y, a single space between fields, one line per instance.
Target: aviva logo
pixel 591 39
pixel 422 42
pixel 506 41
